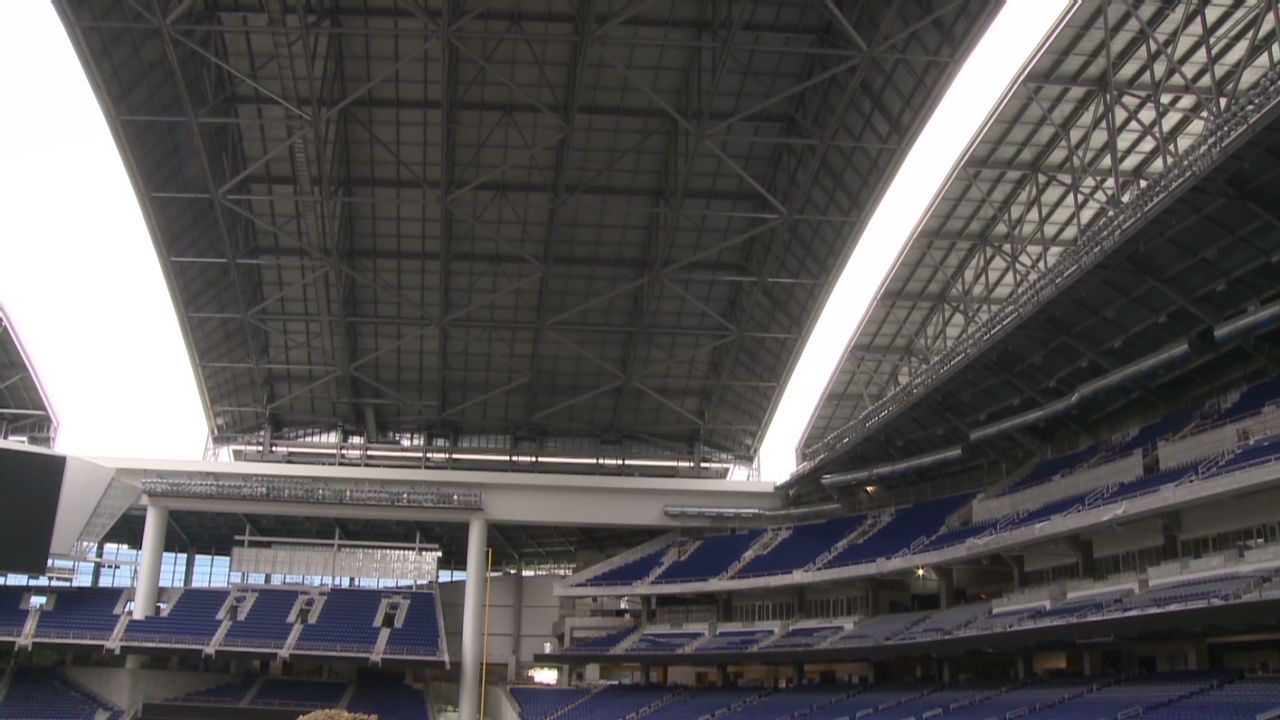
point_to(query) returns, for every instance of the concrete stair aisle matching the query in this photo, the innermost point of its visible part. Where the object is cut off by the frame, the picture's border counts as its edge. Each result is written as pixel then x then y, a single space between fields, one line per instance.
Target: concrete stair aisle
pixel 763 544
pixel 679 549
pixel 873 523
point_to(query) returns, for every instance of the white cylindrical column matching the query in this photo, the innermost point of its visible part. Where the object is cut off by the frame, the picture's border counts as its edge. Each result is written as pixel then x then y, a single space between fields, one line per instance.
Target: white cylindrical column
pixel 144 599
pixel 473 619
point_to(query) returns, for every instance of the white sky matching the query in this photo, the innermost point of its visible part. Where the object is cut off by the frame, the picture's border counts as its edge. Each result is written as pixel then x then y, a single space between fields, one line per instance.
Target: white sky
pixel 80 279
pixel 78 273
pixel 1013 36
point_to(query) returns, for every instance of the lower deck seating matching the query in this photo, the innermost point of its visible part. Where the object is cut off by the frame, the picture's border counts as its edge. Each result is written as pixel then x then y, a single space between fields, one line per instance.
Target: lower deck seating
pixel 871 700
pixel 301 694
pixel 1023 699
pixel 617 702
pixel 537 703
pixel 1248 698
pixel 702 703
pixel 795 702
pixel 389 699
pixel 228 693
pixel 37 694
pixel 1134 696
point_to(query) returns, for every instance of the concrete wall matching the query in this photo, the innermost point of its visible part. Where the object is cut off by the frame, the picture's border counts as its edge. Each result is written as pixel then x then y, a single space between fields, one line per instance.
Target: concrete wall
pixel 539 610
pixel 125 688
pixel 1207 519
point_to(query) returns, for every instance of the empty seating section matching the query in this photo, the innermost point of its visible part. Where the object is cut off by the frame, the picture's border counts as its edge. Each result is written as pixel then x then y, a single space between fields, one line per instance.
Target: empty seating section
pixel 540 703
pixel 709 558
pixel 38 694
pixel 999 621
pixel 617 702
pixel 229 693
pixel 879 697
pixel 945 622
pixel 704 702
pixel 799 638
pixel 734 641
pixel 663 642
pixel 419 634
pixel 1253 398
pixel 192 620
pixel 1108 702
pixel 879 629
pixel 602 643
pixel 1053 467
pixel 1206 589
pixel 630 572
pixel 1255 453
pixel 788 703
pixel 301 694
pixel 347 622
pixel 909 524
pixel 806 542
pixel 1246 698
pixel 80 614
pixel 267 623
pixel 1015 701
pixel 1077 607
pixel 388 699
pixel 12 616
pixel 928 703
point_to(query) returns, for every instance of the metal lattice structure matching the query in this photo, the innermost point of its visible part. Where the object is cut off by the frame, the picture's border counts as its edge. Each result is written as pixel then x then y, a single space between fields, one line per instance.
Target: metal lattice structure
pixel 25 411
pixel 561 223
pixel 1130 103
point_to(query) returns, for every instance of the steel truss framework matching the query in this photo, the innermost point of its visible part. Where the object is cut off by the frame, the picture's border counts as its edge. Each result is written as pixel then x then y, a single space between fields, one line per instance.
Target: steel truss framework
pixel 24 410
pixel 566 220
pixel 1129 103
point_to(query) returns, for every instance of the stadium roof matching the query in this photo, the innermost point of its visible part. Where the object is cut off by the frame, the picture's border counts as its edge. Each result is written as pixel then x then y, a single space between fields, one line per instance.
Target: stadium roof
pixel 1077 184
pixel 603 224
pixel 566 221
pixel 24 409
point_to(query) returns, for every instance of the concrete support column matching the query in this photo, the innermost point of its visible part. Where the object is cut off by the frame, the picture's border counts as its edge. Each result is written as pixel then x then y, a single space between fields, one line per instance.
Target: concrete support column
pixel 473 619
pixel 153 531
pixel 646 609
pixel 946 586
pixel 517 617
pixel 96 577
pixel 1086 663
pixel 722 671
pixel 797 674
pixel 188 573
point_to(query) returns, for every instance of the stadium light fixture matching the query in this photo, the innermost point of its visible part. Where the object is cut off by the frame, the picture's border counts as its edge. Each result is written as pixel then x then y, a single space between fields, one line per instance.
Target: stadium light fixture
pixel 1007 48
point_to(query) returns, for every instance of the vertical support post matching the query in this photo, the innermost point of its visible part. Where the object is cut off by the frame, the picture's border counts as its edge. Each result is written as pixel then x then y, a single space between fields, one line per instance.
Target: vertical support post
pixel 95 577
pixel 473 619
pixel 946 586
pixel 153 531
pixel 189 571
pixel 517 617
